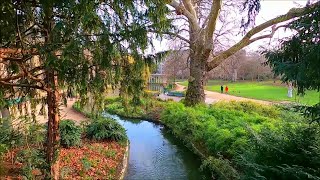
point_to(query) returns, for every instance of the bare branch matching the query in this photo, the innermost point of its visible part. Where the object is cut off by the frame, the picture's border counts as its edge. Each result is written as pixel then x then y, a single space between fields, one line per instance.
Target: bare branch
pixel 213 17
pixel 189 7
pixel 273 30
pixel 171 34
pixel 192 19
pixel 246 40
pixel 13 77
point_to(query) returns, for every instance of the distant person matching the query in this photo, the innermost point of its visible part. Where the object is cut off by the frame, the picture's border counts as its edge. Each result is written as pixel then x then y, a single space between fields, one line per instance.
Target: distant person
pixel 290 90
pixel 227 89
pixel 221 88
pixel 69 93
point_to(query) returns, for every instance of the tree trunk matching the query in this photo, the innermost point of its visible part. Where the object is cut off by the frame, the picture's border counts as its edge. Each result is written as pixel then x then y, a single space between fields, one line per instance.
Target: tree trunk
pixel 200 50
pixel 53 99
pixel 195 92
pixel 234 75
pixel 53 137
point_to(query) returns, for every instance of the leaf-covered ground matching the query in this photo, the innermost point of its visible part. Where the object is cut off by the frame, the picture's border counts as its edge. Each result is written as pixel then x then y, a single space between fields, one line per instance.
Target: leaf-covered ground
pixel 10 168
pixel 94 160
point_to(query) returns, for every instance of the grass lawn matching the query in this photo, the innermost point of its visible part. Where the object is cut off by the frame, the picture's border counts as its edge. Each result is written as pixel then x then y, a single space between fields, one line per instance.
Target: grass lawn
pixel 266 90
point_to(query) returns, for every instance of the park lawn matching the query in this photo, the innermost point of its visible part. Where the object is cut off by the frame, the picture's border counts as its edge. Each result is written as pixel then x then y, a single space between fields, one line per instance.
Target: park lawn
pixel 264 90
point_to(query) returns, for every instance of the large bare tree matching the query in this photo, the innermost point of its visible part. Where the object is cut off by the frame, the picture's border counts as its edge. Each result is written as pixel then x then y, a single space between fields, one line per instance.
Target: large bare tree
pixel 202 17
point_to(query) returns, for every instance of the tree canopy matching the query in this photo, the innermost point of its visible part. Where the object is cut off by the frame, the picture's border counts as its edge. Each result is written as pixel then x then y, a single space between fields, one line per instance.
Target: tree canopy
pixel 298 57
pixel 47 45
pixel 84 36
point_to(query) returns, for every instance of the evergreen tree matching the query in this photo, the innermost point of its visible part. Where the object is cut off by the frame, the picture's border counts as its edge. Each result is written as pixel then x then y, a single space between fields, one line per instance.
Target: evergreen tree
pixel 297 59
pixel 47 45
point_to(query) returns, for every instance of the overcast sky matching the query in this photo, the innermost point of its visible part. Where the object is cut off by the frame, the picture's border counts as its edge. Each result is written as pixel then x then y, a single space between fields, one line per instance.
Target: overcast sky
pixel 269 9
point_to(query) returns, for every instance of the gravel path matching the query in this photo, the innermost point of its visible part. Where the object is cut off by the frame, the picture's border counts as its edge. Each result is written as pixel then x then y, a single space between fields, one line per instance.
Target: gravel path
pixel 212 97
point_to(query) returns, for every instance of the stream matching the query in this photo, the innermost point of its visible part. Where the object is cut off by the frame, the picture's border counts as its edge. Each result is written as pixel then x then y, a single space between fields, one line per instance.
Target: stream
pixel 156 154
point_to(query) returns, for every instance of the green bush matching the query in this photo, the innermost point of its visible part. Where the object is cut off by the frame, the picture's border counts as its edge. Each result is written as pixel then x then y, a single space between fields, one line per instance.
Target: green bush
pixel 224 130
pixel 32 159
pixel 70 133
pixel 292 153
pixel 9 136
pixel 112 100
pixel 105 129
pixel 150 108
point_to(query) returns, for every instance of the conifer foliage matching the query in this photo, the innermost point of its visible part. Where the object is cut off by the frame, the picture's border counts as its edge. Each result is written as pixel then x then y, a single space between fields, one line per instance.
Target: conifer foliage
pixel 48 45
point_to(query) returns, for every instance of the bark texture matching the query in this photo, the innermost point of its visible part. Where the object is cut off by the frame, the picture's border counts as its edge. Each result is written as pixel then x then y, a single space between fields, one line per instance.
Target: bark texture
pixel 53 99
pixel 198 60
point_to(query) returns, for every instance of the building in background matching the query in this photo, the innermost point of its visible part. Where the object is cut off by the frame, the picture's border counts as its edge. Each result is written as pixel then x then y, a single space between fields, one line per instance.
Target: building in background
pixel 157 80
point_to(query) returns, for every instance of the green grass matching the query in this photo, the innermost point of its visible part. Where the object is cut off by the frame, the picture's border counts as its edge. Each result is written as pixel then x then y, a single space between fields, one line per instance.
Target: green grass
pixel 265 90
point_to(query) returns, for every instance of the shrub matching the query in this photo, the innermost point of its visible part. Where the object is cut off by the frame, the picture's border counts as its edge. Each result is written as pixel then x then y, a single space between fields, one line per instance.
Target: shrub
pixel 292 153
pixel 221 168
pixel 33 160
pixel 105 129
pixel 224 131
pixel 249 107
pixel 112 100
pixel 35 134
pixel 9 136
pixel 70 133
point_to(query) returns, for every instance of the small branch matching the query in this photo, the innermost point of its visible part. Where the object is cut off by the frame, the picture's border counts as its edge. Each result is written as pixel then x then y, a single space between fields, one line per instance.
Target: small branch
pixel 171 34
pixel 13 77
pixel 273 30
pixel 22 85
pixel 5 51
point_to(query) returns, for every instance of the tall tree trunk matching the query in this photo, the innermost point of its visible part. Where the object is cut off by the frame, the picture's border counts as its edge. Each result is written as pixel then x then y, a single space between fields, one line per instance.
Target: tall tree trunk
pixel 53 98
pixel 53 137
pixel 198 58
pixel 200 49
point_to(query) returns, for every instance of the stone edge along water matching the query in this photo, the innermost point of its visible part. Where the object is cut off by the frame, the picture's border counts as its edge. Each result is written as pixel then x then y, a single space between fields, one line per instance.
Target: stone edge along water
pixel 125 162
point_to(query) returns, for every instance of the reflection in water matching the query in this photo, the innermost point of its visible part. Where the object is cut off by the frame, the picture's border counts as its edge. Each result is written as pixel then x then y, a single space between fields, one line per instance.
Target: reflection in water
pixel 156 154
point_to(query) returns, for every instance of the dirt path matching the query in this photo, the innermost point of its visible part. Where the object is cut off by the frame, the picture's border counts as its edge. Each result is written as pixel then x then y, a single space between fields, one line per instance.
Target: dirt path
pixel 212 97
pixel 70 113
pixel 66 113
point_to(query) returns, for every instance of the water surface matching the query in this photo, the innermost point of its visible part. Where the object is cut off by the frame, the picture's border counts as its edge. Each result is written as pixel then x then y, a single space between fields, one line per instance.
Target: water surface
pixel 156 154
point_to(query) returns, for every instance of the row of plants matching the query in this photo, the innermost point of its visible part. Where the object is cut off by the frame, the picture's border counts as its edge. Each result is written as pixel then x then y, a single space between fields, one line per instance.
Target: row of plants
pixel 149 108
pixel 244 140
